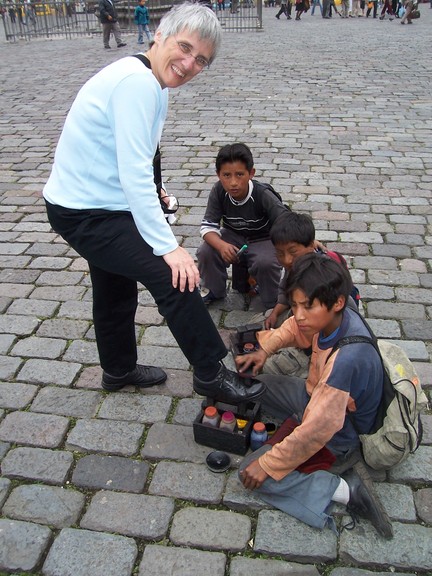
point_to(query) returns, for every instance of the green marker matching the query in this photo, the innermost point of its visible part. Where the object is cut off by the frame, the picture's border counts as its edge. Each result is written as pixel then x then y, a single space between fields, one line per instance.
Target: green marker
pixel 242 249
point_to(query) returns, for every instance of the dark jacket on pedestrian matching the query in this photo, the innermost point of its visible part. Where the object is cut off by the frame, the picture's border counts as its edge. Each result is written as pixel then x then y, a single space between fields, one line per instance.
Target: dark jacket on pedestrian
pixel 107 8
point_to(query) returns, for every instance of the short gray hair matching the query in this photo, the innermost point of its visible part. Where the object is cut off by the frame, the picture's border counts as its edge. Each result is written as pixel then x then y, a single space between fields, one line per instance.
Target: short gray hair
pixel 193 17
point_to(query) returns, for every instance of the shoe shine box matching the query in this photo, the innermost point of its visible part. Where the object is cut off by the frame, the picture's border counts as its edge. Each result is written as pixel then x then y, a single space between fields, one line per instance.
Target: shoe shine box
pixel 244 340
pixel 237 441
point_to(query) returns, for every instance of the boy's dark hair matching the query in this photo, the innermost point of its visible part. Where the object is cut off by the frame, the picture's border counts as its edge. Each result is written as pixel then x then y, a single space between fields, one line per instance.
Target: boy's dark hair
pixel 293 227
pixel 237 152
pixel 319 277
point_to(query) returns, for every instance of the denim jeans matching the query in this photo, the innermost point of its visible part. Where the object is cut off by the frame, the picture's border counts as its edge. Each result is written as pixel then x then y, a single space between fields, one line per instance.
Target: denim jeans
pixel 141 29
pixel 316 3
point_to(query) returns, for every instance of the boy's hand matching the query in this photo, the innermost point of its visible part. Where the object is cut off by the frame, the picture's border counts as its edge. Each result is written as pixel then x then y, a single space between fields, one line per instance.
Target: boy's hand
pixel 253 476
pixel 252 362
pixel 319 246
pixel 271 320
pixel 228 253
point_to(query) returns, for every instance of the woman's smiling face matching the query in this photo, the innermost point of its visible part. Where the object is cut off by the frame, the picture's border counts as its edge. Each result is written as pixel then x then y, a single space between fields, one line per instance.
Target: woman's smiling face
pixel 177 59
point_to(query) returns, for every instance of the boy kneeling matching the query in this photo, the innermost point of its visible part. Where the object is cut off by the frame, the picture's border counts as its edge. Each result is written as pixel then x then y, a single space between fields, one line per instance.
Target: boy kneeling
pixel 348 381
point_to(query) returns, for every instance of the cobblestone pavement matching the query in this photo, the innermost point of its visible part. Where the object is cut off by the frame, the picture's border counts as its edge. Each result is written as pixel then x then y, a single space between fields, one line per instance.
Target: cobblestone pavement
pixel 338 114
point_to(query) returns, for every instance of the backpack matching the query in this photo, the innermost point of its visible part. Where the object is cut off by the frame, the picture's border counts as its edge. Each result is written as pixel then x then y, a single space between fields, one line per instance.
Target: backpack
pixel 269 187
pixel 397 431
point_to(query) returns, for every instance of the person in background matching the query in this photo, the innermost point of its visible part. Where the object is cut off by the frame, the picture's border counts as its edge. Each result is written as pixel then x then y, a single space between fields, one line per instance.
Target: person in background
pixel 372 5
pixel 283 9
pixel 387 7
pixel 101 197
pixel 109 21
pixel 408 5
pixel 316 3
pixel 141 19
pixel 345 8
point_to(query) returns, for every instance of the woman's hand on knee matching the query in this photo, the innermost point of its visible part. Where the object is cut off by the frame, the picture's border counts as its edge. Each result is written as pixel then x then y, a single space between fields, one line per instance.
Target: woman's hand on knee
pixel 183 268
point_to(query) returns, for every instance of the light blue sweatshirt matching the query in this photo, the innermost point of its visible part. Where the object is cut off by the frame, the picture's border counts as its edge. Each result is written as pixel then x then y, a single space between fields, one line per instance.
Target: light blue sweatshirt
pixel 104 158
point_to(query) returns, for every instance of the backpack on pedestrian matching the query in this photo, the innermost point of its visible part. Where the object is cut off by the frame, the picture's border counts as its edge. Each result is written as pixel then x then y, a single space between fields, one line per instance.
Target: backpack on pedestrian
pixel 397 431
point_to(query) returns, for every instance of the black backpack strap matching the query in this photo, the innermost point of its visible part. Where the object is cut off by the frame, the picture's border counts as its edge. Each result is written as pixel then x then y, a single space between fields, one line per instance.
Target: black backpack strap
pixel 157 171
pixel 355 340
pixel 143 59
pixel 388 392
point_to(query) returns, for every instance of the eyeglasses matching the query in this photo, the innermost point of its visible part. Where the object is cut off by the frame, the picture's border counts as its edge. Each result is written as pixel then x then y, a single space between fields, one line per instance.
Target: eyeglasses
pixel 186 50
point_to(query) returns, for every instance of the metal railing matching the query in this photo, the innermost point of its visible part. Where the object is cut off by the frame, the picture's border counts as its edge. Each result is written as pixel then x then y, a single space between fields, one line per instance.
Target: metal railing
pixel 29 19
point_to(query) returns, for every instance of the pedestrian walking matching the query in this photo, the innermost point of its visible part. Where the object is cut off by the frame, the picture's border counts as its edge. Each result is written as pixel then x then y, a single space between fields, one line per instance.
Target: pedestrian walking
pixel 109 21
pixel 141 19
pixel 316 3
pixel 283 9
pixel 387 8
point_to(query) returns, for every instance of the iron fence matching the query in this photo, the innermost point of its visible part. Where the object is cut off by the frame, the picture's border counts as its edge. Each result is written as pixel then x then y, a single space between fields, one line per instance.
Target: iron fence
pixel 29 19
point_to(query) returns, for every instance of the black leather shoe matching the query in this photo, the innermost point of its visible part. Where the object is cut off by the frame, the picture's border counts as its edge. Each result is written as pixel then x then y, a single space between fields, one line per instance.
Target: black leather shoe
pixel 229 387
pixel 364 501
pixel 142 376
pixel 121 45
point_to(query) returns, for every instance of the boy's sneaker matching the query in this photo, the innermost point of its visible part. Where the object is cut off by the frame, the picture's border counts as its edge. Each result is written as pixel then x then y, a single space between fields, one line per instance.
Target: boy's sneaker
pixel 229 387
pixel 364 500
pixel 142 376
pixel 208 297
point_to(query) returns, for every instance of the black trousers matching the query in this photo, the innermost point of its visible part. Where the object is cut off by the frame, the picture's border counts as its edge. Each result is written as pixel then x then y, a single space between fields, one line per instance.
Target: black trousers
pixel 375 8
pixel 118 258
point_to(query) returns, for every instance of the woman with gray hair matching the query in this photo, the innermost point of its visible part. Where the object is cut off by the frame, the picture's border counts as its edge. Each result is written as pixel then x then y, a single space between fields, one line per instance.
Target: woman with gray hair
pixel 102 198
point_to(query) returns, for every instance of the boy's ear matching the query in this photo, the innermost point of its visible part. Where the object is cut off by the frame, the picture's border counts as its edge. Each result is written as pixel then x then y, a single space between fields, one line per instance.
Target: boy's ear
pixel 339 304
pixel 252 173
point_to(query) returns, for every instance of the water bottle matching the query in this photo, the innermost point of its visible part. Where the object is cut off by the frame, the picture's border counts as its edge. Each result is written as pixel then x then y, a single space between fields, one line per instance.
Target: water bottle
pixel 228 421
pixel 211 417
pixel 258 435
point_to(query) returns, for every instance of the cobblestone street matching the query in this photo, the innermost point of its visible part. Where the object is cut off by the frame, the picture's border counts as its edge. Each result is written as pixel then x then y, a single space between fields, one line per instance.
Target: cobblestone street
pixel 338 114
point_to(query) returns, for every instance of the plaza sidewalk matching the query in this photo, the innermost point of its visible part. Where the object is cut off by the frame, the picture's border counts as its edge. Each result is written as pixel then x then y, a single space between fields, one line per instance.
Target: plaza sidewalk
pixel 339 116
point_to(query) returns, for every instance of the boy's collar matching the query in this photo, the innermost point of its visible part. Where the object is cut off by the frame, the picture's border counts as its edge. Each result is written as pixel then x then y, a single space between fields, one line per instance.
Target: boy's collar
pixel 249 194
pixel 329 341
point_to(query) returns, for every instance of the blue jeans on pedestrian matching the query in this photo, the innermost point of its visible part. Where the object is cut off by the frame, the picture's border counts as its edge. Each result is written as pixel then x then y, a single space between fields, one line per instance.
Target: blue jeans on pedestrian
pixel 316 3
pixel 141 29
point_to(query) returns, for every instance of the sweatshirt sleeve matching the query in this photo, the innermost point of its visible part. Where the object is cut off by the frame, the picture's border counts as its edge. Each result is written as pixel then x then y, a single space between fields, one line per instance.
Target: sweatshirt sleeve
pixel 324 416
pixel 320 423
pixel 288 334
pixel 213 214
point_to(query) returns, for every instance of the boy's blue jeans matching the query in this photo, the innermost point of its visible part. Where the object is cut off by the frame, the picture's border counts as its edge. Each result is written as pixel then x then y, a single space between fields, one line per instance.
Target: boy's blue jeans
pixel 141 29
